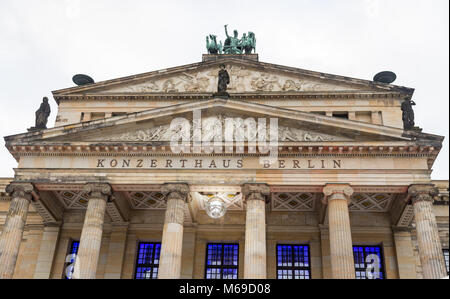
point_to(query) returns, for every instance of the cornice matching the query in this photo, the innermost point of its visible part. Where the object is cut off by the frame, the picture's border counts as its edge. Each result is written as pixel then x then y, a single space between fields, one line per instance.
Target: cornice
pixel 131 150
pixel 335 95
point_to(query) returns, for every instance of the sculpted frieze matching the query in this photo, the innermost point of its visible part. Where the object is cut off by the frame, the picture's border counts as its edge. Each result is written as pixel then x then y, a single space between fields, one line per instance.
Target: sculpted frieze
pixel 242 80
pixel 213 126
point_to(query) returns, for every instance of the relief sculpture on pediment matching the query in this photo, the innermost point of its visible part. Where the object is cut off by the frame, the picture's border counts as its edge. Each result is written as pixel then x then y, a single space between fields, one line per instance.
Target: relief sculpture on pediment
pixel 241 80
pixel 213 129
pixel 264 82
pixel 195 83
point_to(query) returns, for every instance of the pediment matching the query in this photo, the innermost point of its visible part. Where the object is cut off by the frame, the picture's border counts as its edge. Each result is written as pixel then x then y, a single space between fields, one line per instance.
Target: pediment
pixel 242 80
pixel 246 77
pixel 213 125
pixel 153 126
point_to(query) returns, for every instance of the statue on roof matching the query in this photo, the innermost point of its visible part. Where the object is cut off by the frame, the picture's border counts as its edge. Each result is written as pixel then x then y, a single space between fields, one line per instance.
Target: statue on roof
pixel 233 44
pixel 42 115
pixel 408 114
pixel 248 43
pixel 212 46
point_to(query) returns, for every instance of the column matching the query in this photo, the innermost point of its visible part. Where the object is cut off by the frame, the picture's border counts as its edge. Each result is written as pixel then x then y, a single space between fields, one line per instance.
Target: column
pixel 172 239
pixel 337 196
pixel 255 231
pixel 91 235
pixel 406 261
pixel 47 252
pixel 12 234
pixel 430 248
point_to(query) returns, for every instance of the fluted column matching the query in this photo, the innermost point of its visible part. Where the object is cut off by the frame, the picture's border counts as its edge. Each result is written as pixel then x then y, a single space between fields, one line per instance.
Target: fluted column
pixel 12 233
pixel 430 248
pixel 91 235
pixel 172 239
pixel 255 231
pixel 341 248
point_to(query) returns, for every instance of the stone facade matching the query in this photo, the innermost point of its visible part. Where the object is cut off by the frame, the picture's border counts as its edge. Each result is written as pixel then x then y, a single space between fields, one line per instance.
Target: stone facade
pixel 346 175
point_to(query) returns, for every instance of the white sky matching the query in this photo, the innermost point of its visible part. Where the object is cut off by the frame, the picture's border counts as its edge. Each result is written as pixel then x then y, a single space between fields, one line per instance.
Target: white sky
pixel 43 43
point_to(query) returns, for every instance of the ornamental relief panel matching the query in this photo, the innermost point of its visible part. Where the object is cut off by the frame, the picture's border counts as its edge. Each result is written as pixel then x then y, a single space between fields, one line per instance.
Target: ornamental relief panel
pixel 242 80
pixel 214 126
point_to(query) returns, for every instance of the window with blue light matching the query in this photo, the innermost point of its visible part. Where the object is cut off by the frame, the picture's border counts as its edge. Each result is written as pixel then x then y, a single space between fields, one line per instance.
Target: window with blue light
pixel 147 264
pixel 70 260
pixel 222 261
pixel 364 261
pixel 446 259
pixel 293 262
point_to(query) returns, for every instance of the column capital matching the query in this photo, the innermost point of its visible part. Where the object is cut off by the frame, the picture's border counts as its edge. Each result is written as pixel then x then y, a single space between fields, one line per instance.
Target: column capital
pixel 20 190
pixel 98 190
pixel 256 192
pixel 337 191
pixel 176 191
pixel 423 192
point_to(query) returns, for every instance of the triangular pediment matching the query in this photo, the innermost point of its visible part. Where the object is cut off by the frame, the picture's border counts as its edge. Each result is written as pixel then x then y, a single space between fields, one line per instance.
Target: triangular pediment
pixel 246 77
pixel 153 126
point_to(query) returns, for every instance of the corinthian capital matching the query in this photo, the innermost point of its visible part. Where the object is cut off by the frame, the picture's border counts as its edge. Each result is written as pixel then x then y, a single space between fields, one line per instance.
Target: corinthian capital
pixel 423 192
pixel 337 191
pixel 176 191
pixel 20 190
pixel 256 192
pixel 98 190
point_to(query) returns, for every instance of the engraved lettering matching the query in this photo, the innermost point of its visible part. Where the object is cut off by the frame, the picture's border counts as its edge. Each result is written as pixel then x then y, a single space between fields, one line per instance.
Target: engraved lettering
pixel 183 163
pixel 226 163
pixel 126 163
pixel 140 163
pixel 100 163
pixel 240 164
pixel 113 163
pixel 198 163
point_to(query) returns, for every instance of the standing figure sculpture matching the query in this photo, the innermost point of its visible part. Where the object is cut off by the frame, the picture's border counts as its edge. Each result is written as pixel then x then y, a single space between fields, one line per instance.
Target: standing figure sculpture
pixel 408 114
pixel 232 43
pixel 42 115
pixel 223 81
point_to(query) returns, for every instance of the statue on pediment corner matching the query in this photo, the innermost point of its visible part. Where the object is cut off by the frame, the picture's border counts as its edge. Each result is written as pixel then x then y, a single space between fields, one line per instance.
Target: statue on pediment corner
pixel 408 114
pixel 42 115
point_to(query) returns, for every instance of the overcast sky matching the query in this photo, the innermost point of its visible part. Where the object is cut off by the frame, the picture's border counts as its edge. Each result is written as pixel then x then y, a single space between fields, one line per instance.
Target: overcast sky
pixel 43 43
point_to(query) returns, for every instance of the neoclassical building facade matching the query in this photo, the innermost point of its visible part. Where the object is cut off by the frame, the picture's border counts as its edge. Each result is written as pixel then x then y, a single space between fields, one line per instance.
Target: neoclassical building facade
pixel 109 193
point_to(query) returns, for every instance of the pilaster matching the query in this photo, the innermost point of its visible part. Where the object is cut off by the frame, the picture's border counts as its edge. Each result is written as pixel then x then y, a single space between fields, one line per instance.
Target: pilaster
pixel 11 237
pixel 337 196
pixel 255 231
pixel 91 235
pixel 430 248
pixel 172 239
